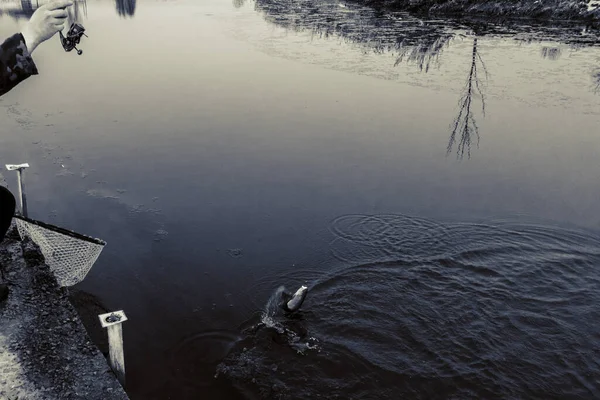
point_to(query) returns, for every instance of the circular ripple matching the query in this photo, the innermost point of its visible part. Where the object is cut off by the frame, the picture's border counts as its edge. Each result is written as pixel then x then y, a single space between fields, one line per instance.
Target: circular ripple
pixel 377 238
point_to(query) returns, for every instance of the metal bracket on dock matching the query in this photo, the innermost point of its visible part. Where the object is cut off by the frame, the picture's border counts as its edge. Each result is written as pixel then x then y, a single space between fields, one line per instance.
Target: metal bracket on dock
pixel 22 198
pixel 112 318
pixel 112 321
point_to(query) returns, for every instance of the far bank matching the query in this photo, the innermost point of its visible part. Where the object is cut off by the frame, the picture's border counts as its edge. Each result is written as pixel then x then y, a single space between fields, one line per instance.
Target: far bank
pixel 546 10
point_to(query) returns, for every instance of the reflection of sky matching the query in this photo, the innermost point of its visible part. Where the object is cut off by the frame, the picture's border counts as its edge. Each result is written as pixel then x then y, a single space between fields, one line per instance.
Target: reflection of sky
pixel 203 121
pixel 231 87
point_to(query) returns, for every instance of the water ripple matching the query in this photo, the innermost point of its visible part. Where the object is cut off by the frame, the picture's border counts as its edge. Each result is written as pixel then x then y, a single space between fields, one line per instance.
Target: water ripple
pixel 424 310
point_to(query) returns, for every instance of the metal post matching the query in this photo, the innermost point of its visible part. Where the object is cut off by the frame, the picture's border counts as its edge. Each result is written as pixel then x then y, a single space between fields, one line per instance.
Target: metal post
pixel 22 197
pixel 112 321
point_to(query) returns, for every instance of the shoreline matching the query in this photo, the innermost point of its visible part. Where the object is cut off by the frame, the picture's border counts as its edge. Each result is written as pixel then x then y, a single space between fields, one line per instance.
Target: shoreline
pixel 45 350
pixel 553 11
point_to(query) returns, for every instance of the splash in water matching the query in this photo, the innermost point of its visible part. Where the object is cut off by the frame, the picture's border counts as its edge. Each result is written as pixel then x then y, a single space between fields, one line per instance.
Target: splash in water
pixel 293 331
pixel 271 309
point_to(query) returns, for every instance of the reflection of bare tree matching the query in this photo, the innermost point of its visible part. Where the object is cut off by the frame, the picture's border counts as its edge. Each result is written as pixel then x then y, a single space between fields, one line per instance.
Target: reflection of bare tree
pixel 126 8
pixel 551 53
pixel 596 78
pixel 238 3
pixel 375 30
pixel 464 124
pixel 424 54
pixel 421 43
pixel 28 5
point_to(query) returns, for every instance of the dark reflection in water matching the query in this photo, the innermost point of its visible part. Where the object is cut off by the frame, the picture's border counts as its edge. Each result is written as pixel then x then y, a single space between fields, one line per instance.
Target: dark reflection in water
pixel 377 31
pixel 126 8
pixel 464 124
pixel 404 307
pixel 596 78
pixel 551 53
pixel 421 43
pixel 425 54
pixel 380 31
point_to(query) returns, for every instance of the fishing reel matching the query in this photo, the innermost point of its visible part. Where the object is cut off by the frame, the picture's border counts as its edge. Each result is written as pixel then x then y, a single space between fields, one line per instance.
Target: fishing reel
pixel 73 38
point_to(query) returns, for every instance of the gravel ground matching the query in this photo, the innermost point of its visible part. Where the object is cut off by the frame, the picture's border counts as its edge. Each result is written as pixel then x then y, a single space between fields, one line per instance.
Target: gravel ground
pixel 45 351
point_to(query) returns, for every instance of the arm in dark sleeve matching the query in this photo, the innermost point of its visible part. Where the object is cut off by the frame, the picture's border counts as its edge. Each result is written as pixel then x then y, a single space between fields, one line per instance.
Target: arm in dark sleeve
pixel 16 63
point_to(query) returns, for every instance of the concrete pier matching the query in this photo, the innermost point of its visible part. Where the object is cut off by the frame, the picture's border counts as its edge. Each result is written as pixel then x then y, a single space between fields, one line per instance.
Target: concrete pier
pixel 45 351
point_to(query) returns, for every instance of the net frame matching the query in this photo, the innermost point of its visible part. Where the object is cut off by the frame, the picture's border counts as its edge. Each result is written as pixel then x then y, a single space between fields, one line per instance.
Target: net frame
pixel 70 266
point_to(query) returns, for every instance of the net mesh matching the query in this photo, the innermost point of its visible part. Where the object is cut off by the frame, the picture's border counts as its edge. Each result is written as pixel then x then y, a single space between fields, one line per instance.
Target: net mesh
pixel 69 255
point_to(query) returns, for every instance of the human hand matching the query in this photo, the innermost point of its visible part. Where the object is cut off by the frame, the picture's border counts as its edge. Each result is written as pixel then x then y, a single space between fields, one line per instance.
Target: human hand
pixel 45 22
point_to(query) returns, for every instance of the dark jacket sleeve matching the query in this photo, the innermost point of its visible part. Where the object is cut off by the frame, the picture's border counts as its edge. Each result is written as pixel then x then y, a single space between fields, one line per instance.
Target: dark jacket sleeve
pixel 16 63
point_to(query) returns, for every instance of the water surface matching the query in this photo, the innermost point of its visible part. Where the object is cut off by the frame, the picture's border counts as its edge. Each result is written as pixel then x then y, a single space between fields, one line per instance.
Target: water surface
pixel 223 150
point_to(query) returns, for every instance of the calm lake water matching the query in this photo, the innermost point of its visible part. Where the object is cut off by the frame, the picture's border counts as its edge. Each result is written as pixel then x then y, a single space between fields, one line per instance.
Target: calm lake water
pixel 224 150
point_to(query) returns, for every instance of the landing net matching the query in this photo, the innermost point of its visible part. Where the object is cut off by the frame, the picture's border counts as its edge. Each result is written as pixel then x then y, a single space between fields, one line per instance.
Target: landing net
pixel 69 255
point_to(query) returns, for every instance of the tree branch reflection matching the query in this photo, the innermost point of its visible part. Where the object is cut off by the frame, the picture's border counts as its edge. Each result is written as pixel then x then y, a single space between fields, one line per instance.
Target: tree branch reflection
pixel 464 125
pixel 125 8
pixel 596 79
pixel 423 54
pixel 375 30
pixel 238 3
pixel 551 53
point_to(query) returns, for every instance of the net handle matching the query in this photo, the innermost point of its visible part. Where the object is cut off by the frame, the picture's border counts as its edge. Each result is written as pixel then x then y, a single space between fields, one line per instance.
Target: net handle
pixel 61 230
